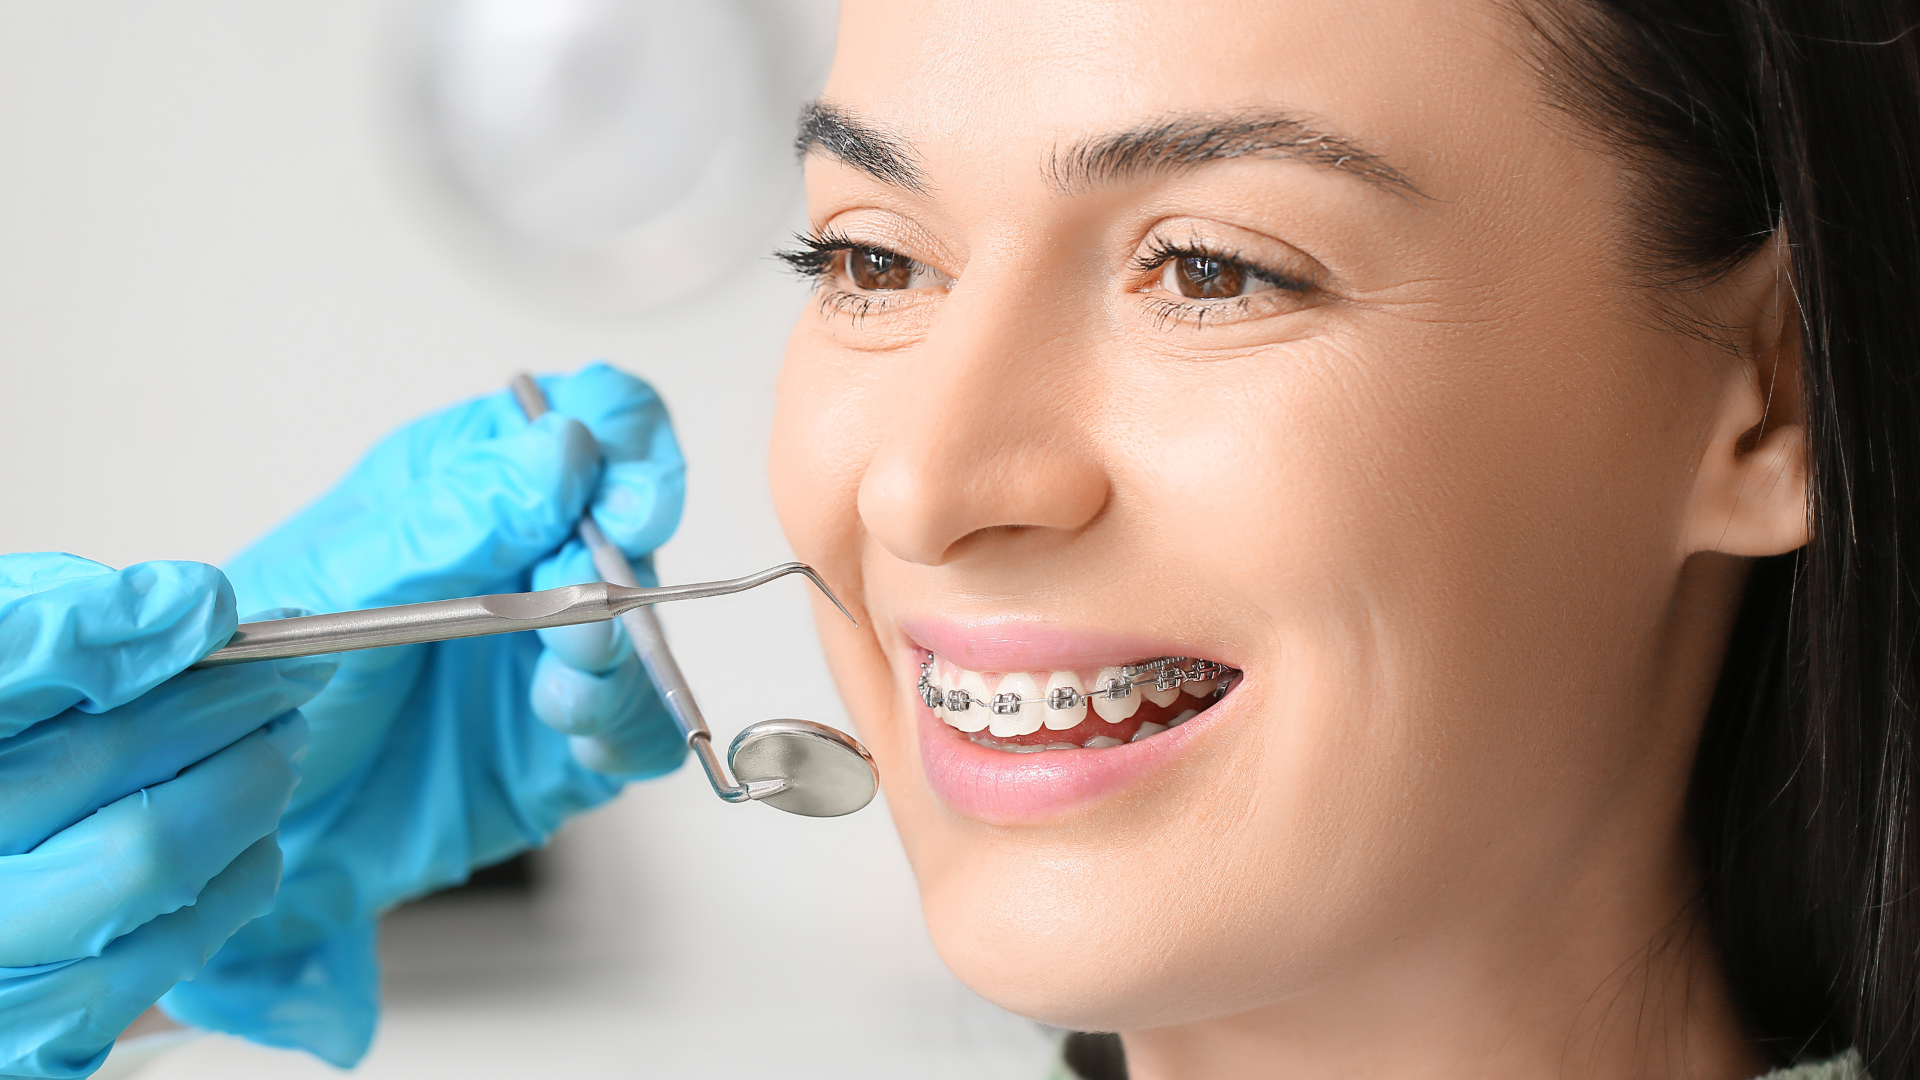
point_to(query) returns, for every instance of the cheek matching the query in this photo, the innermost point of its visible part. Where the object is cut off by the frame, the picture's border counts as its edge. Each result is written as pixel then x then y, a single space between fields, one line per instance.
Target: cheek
pixel 1435 549
pixel 820 439
pixel 823 435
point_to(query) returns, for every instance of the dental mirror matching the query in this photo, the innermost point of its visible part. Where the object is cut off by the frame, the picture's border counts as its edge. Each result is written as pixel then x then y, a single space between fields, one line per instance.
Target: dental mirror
pixel 793 765
pixel 828 774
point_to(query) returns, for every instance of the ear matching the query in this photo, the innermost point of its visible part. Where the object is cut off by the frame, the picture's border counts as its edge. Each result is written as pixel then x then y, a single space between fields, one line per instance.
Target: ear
pixel 1750 492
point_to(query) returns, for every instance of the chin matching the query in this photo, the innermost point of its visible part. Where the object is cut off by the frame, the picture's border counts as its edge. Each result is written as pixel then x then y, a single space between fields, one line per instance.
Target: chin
pixel 1065 971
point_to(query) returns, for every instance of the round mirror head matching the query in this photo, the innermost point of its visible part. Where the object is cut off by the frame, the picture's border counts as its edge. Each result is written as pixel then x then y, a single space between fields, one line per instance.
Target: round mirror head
pixel 830 773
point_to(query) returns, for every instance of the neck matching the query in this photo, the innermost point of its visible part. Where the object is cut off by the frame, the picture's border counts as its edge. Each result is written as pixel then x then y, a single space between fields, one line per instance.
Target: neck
pixel 1594 985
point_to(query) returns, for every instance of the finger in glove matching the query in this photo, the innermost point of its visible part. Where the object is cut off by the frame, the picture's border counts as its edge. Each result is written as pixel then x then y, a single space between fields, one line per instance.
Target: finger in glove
pixel 481 517
pixel 147 854
pixel 76 634
pixel 59 771
pixel 62 1022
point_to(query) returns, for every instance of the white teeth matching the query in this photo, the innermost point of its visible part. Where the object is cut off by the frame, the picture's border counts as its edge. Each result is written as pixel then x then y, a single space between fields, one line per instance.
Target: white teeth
pixel 1112 710
pixel 1162 698
pixel 1026 720
pixel 1025 707
pixel 1062 719
pixel 979 716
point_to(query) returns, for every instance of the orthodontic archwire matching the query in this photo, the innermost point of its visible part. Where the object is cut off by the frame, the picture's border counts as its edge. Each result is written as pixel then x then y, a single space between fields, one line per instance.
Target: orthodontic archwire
pixel 1162 674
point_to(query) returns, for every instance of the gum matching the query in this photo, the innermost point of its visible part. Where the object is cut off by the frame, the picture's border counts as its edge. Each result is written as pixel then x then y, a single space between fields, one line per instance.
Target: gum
pixel 1093 725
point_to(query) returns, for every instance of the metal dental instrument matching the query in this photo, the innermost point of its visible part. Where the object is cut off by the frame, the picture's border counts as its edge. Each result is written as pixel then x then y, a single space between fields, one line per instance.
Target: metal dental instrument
pixel 475 616
pixel 793 765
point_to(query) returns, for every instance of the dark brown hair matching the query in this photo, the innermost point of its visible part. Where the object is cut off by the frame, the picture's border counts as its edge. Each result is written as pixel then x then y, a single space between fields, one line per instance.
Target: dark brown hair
pixel 1742 120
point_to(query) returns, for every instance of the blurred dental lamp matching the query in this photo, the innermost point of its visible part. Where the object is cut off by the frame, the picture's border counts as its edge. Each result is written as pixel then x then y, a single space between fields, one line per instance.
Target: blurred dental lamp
pixel 619 154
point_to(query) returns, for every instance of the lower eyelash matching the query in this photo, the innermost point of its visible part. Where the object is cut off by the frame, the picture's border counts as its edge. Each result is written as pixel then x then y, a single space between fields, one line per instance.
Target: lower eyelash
pixel 855 306
pixel 1169 312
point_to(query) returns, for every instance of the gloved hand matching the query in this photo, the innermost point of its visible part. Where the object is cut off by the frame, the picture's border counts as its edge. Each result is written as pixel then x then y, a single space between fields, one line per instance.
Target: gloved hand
pixel 427 761
pixel 137 806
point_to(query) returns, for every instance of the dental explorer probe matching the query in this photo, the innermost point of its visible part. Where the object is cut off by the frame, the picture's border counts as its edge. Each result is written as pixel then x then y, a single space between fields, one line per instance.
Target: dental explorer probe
pixel 793 765
pixel 474 616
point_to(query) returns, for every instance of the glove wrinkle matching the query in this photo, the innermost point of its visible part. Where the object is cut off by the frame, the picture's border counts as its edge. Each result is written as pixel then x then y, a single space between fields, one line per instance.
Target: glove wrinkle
pixel 489 513
pixel 149 853
pixel 61 1021
pixel 94 641
pixel 59 771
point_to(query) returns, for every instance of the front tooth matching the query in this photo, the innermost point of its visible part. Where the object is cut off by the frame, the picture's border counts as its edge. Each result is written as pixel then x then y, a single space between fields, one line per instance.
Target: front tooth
pixel 1062 719
pixel 1027 720
pixel 1162 698
pixel 977 716
pixel 1146 729
pixel 1106 708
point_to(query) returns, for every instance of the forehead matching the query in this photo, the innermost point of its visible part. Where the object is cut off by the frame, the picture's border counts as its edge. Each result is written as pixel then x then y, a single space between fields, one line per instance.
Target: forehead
pixel 1423 82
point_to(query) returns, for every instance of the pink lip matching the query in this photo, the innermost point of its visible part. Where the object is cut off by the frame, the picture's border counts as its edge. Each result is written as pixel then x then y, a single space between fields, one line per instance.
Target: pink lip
pixel 1024 645
pixel 1000 788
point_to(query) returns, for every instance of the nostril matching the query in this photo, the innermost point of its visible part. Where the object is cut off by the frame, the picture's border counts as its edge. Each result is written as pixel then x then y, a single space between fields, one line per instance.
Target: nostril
pixel 931 511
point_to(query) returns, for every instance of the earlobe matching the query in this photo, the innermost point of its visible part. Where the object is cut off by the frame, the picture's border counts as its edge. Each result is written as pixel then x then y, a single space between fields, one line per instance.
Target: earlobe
pixel 1750 495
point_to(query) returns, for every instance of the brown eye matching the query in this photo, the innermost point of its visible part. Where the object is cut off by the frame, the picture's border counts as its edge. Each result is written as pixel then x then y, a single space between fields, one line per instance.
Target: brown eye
pixel 877 270
pixel 1204 277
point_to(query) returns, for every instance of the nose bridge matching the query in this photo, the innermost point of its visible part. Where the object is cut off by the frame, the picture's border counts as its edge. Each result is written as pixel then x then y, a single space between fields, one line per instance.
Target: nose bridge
pixel 988 437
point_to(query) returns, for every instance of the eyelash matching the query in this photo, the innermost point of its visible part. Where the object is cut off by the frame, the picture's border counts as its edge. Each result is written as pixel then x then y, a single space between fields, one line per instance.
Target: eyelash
pixel 1166 311
pixel 816 257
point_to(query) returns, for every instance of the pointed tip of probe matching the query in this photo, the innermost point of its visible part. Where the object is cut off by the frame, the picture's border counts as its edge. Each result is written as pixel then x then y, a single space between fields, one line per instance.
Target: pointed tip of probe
pixel 819 583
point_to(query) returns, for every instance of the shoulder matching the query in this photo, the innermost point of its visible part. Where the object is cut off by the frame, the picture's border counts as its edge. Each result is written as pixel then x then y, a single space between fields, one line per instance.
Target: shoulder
pixel 1845 1067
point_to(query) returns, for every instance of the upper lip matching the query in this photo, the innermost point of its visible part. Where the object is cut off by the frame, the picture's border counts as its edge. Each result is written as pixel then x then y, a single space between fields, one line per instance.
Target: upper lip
pixel 1025 644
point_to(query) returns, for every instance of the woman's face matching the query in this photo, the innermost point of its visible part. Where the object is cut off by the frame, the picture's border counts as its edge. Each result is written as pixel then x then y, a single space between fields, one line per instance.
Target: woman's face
pixel 1289 336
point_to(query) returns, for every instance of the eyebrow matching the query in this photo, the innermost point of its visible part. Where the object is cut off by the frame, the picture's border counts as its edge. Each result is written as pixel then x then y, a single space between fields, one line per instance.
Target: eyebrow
pixel 828 129
pixel 1167 145
pixel 1185 141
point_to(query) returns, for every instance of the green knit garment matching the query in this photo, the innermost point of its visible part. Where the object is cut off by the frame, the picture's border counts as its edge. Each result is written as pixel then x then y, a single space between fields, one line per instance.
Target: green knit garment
pixel 1844 1067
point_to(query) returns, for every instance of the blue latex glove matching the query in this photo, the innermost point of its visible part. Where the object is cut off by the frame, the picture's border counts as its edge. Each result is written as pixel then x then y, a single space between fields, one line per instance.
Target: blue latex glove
pixel 428 760
pixel 137 807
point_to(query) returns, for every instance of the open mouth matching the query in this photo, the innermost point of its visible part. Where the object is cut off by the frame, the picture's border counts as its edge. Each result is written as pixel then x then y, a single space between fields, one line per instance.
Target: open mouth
pixel 1027 712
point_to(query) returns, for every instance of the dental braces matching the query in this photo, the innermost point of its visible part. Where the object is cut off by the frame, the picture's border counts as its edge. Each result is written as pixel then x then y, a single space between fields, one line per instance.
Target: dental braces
pixel 1162 674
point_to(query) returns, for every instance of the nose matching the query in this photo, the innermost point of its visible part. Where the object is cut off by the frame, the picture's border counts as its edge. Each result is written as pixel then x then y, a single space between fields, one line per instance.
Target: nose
pixel 987 444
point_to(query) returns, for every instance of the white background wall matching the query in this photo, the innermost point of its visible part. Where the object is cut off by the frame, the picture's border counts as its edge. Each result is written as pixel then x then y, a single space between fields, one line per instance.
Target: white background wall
pixel 220 282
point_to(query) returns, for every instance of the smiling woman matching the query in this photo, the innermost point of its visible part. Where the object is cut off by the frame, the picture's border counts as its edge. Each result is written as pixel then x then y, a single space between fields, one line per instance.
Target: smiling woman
pixel 1304 464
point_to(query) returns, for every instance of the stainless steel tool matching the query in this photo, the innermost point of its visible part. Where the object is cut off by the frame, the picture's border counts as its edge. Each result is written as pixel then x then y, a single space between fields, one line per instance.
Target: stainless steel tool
pixel 474 616
pixel 793 765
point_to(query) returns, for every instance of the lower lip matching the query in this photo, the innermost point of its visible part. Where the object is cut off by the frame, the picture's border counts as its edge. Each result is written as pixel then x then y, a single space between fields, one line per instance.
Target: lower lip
pixel 1001 788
